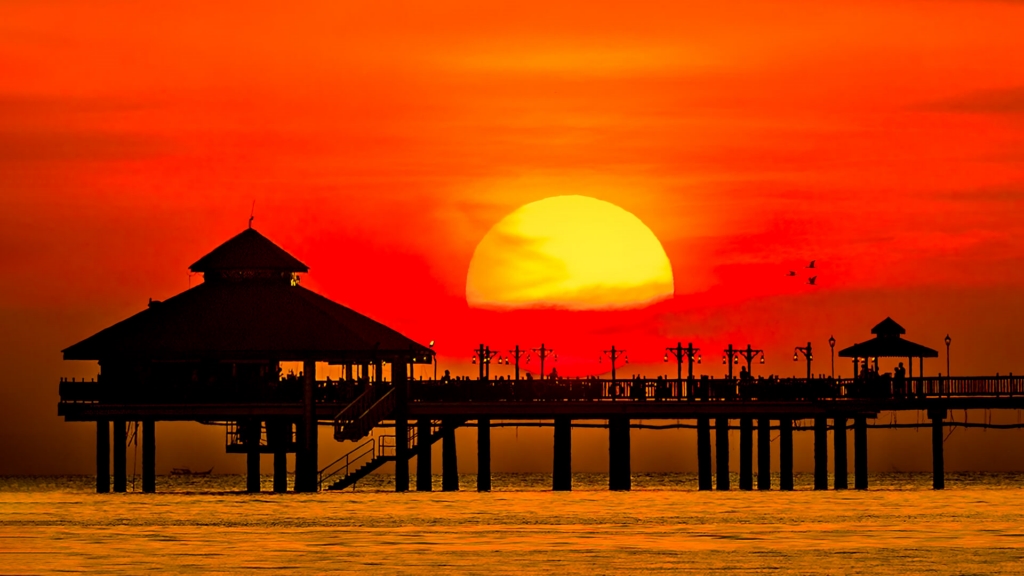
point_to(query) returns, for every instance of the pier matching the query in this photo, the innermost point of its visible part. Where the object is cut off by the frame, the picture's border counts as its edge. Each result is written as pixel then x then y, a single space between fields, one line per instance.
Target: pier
pixel 213 354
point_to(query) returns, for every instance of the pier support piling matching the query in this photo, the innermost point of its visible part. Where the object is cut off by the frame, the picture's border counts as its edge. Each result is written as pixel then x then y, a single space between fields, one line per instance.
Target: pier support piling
pixel 938 463
pixel 399 379
pixel 860 453
pixel 280 472
pixel 148 456
pixel 306 465
pixel 483 455
pixel 785 454
pixel 251 433
pixel 619 471
pixel 449 458
pixel 764 454
pixel 703 454
pixel 120 444
pixel 821 453
pixel 424 458
pixel 841 481
pixel 102 457
pixel 722 453
pixel 562 477
pixel 746 454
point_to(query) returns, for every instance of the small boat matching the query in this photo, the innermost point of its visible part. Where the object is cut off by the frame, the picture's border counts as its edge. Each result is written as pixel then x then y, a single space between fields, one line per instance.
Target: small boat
pixel 189 472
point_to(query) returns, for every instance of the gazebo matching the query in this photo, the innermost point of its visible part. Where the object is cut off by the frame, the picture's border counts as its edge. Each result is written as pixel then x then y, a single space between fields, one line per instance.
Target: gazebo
pixel 212 353
pixel 889 343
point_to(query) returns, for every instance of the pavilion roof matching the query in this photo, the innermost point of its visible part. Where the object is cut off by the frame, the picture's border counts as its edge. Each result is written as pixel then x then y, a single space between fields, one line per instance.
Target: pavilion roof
pixel 888 343
pixel 248 250
pixel 249 319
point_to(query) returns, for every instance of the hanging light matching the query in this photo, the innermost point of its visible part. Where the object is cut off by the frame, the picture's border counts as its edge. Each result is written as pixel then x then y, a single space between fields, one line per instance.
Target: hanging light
pixel 724 360
pixel 474 359
pixel 698 358
pixel 666 357
pixel 762 358
pixel 736 360
pixel 627 359
pixel 795 357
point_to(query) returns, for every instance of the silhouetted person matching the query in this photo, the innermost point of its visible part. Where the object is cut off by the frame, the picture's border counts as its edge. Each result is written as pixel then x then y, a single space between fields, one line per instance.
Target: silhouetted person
pixel 447 378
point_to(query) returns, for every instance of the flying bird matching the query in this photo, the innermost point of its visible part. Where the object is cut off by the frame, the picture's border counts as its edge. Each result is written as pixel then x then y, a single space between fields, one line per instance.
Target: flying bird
pixel 791 273
pixel 811 265
pixel 811 280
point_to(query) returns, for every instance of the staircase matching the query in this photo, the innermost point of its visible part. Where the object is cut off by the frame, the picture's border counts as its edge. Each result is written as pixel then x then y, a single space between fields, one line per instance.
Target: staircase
pixel 360 417
pixel 371 455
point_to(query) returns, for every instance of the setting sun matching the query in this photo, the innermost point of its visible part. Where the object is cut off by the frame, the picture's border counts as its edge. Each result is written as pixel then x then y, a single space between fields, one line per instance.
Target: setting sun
pixel 569 252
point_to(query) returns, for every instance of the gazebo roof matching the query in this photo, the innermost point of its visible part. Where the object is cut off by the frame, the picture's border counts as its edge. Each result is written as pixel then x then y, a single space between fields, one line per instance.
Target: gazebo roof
pixel 888 343
pixel 248 250
pixel 888 327
pixel 249 319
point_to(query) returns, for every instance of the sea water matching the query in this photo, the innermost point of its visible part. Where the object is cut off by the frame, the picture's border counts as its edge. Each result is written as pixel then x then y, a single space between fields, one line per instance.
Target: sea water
pixel 899 526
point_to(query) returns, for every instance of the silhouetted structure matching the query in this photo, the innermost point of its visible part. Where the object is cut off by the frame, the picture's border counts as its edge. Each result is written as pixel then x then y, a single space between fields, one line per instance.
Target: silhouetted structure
pixel 213 353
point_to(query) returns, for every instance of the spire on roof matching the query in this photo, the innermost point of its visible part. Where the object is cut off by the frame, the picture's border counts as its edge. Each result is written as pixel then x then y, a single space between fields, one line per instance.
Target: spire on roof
pixel 246 256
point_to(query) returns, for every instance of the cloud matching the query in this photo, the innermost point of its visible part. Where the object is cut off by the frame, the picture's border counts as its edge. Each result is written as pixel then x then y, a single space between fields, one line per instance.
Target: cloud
pixel 998 101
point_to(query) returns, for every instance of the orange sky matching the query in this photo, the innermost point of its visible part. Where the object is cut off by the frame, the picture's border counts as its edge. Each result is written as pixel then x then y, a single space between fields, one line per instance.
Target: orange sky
pixel 381 142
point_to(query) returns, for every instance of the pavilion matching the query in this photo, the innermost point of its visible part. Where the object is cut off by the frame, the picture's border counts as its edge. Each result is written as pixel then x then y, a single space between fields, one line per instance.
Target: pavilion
pixel 212 353
pixel 888 343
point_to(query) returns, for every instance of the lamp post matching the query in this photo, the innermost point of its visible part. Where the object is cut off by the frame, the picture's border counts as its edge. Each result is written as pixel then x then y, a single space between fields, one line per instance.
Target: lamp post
pixel 516 355
pixel 948 340
pixel 832 345
pixel 730 357
pixel 614 355
pixel 807 354
pixel 435 360
pixel 484 355
pixel 679 352
pixel 543 353
pixel 749 354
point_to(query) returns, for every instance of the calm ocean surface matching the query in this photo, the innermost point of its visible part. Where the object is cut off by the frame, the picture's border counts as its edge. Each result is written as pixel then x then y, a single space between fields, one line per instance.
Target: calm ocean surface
pixel 900 526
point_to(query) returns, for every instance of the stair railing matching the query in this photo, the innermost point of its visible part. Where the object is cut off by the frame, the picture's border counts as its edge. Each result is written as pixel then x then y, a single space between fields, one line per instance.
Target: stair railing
pixel 344 465
pixel 348 428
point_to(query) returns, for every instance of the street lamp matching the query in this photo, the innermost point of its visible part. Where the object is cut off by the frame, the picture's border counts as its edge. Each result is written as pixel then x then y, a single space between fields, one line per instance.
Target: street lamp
pixel 516 355
pixel 435 360
pixel 614 355
pixel 543 353
pixel 948 340
pixel 808 354
pixel 832 345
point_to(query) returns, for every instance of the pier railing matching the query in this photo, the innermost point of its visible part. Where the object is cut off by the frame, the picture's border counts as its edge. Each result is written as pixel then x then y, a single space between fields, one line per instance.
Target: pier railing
pixel 560 389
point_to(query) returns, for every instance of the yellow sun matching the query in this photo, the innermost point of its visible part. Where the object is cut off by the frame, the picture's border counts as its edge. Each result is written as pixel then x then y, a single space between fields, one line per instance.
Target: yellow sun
pixel 570 252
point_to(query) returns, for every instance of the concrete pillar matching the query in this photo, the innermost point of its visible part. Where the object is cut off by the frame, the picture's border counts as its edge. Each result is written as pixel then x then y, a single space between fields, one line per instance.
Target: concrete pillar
pixel 703 454
pixel 764 454
pixel 562 477
pixel 841 481
pixel 306 465
pixel 860 453
pixel 619 471
pixel 402 454
pixel 938 463
pixel 821 453
pixel 449 458
pixel 280 472
pixel 722 453
pixel 483 455
pixel 120 445
pixel 279 437
pixel 148 456
pixel 102 456
pixel 424 463
pixel 786 454
pixel 251 433
pixel 399 378
pixel 746 453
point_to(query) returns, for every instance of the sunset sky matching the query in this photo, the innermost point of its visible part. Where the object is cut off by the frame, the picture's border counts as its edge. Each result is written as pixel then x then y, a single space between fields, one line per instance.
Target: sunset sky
pixel 381 142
